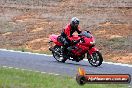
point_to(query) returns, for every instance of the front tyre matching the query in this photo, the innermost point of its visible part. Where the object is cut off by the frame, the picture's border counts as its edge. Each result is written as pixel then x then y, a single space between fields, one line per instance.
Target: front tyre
pixel 59 58
pixel 96 59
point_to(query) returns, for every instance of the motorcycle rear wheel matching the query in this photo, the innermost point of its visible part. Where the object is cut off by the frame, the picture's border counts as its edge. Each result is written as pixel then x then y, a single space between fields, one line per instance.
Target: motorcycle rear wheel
pixel 59 58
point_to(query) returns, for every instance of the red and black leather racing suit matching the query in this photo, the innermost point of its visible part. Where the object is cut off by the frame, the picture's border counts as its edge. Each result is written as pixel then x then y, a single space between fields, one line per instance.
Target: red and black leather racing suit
pixel 67 34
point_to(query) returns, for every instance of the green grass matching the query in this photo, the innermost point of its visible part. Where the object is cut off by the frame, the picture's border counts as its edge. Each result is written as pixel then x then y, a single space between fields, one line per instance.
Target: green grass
pixel 12 78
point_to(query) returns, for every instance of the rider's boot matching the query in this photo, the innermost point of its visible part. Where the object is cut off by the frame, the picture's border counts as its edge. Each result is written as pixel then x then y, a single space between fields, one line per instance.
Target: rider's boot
pixel 65 54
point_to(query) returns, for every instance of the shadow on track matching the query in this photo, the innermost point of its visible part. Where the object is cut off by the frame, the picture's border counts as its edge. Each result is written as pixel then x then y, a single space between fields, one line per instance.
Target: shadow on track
pixel 77 64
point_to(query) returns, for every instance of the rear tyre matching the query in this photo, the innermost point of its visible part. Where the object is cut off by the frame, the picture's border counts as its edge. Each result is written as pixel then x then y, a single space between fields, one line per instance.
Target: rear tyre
pixel 96 59
pixel 59 58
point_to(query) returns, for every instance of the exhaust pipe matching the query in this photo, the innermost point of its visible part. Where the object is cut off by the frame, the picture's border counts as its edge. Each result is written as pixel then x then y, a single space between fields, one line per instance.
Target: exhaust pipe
pixel 51 49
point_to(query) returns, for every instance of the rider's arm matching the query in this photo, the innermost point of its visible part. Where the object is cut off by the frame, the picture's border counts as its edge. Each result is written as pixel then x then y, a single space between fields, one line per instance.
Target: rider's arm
pixel 79 31
pixel 67 32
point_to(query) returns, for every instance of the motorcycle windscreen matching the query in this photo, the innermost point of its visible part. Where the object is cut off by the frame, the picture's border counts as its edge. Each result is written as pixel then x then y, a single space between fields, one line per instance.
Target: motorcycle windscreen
pixel 86 34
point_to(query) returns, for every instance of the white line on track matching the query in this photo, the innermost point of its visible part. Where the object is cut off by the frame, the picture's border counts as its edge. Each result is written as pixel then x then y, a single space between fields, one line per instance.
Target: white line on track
pixel 120 64
pixel 8 67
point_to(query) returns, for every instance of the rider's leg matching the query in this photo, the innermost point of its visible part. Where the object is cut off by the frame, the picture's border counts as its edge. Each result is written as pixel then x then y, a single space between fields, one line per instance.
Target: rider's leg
pixel 65 50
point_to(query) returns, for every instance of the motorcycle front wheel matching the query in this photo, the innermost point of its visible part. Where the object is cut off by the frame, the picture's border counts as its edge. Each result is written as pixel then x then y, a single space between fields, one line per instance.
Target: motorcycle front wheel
pixel 96 59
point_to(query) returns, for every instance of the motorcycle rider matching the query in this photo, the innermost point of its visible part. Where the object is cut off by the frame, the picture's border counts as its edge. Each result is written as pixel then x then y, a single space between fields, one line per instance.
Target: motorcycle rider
pixel 67 32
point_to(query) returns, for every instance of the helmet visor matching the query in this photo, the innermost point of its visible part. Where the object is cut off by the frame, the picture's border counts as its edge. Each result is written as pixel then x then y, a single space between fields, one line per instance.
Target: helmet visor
pixel 76 23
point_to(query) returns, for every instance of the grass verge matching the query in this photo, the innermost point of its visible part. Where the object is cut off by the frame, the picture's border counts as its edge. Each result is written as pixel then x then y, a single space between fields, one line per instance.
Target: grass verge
pixel 12 78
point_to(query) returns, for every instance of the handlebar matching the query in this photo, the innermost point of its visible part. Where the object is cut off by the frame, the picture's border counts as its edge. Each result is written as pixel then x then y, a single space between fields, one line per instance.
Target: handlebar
pixel 77 41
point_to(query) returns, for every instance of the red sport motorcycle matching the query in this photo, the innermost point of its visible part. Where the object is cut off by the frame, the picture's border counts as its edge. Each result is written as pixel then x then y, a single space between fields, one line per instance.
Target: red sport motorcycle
pixel 82 46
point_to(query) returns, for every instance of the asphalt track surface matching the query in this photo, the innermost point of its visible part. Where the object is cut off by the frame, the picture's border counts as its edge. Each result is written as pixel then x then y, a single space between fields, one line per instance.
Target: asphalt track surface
pixel 48 64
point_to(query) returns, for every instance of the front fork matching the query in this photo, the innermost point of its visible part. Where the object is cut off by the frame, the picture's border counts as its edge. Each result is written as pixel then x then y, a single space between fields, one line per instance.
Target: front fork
pixel 90 52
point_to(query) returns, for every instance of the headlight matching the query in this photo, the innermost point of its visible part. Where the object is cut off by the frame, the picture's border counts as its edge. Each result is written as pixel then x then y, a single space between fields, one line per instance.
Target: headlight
pixel 92 43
